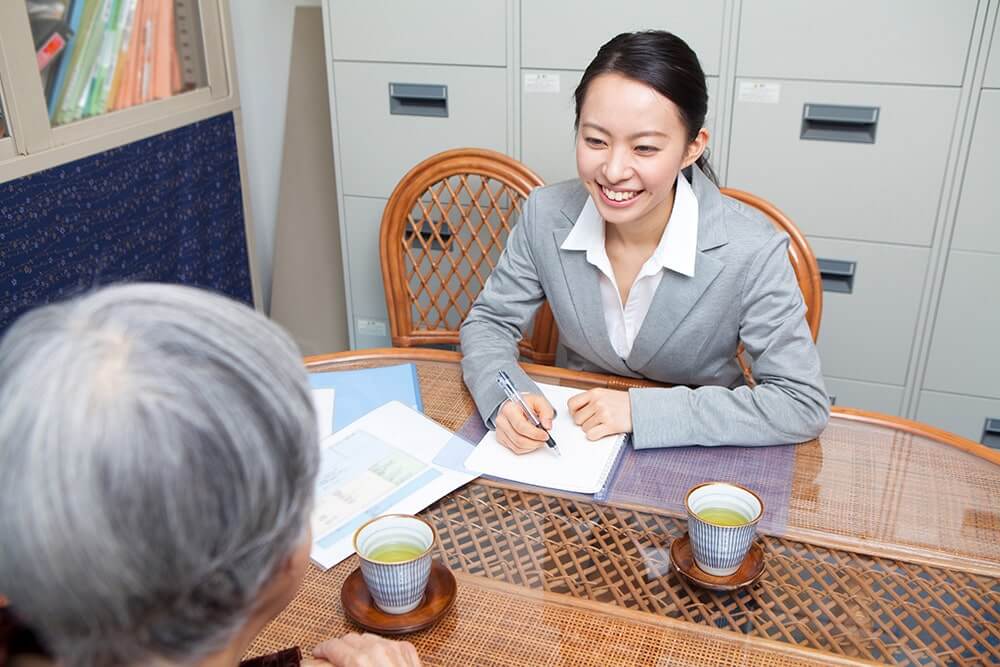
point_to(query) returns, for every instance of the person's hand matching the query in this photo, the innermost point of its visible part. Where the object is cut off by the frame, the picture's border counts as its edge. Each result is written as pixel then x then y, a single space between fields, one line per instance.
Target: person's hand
pixel 516 432
pixel 367 650
pixel 601 412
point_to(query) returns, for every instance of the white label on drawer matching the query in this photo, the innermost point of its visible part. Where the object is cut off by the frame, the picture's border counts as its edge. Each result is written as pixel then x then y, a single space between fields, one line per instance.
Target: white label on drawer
pixel 758 91
pixel 541 83
pixel 371 327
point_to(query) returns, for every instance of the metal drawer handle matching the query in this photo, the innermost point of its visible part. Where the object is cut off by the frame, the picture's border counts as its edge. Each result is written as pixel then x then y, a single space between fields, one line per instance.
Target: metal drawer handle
pixel 991 432
pixel 427 234
pixel 837 274
pixel 418 99
pixel 833 122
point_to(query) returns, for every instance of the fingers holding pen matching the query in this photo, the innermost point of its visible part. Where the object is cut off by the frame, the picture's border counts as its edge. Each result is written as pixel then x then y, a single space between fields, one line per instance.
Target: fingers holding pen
pixel 516 432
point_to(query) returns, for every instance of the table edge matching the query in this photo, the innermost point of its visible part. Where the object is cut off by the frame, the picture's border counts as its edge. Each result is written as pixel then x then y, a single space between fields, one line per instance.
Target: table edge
pixel 404 355
pixel 666 622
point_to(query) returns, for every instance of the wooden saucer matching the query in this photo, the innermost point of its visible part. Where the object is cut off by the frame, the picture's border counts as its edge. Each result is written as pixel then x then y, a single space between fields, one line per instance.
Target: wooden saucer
pixel 360 608
pixel 750 570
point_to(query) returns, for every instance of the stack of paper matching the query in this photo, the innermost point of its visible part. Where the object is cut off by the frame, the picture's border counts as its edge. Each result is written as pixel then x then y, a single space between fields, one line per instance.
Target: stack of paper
pixel 382 463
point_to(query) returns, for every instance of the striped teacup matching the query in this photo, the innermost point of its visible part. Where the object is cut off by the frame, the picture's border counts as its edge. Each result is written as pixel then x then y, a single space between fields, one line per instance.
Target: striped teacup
pixel 722 522
pixel 395 552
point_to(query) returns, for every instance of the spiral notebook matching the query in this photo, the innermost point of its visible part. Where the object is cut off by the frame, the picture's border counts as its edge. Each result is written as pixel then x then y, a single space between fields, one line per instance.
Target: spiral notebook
pixel 584 466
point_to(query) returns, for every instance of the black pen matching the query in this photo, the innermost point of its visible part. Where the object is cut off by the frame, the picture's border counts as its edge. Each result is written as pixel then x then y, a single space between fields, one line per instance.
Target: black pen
pixel 508 388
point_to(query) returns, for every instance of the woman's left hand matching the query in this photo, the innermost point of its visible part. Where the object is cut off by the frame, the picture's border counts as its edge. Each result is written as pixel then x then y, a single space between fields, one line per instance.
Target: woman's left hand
pixel 601 412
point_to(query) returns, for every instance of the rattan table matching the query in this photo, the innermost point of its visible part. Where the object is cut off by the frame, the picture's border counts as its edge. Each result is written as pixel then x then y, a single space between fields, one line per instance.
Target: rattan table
pixel 889 553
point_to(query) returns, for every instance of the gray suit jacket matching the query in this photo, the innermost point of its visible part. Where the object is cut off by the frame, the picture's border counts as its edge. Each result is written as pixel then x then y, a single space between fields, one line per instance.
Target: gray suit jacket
pixel 743 289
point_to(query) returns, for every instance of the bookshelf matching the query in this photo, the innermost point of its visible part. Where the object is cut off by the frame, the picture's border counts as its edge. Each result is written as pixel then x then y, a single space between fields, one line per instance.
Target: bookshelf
pixel 122 151
pixel 95 74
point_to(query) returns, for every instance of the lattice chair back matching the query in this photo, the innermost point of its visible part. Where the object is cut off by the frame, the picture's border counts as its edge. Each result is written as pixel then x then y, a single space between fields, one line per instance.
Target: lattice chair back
pixel 442 233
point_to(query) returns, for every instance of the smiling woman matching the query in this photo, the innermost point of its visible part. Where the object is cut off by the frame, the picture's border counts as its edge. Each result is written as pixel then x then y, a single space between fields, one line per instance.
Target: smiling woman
pixel 653 273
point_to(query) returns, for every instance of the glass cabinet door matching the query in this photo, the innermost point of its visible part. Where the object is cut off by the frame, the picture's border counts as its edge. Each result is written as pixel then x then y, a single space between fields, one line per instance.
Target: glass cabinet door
pixel 99 56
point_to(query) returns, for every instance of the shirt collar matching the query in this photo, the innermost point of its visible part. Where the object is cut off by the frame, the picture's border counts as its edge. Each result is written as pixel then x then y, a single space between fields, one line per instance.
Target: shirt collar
pixel 676 250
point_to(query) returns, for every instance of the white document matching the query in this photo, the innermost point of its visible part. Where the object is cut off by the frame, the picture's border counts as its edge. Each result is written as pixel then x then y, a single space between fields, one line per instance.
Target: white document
pixel 584 466
pixel 380 464
pixel 323 400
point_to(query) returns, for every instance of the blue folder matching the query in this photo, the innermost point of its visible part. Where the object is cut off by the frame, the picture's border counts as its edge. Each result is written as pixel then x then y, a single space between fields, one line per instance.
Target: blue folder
pixel 361 391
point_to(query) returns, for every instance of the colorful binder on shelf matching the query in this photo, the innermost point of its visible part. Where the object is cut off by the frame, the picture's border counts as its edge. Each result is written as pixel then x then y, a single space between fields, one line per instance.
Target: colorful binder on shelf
pixel 124 53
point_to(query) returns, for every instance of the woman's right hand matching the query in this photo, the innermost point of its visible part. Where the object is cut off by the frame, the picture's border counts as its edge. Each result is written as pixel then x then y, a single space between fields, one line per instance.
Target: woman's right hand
pixel 516 432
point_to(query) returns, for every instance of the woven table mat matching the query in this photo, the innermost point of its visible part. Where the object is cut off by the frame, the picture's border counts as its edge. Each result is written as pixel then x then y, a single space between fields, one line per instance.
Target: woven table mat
pixel 889 491
pixel 660 478
pixel 496 624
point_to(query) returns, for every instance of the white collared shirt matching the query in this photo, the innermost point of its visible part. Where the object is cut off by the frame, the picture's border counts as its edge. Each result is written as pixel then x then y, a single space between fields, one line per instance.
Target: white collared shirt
pixel 676 251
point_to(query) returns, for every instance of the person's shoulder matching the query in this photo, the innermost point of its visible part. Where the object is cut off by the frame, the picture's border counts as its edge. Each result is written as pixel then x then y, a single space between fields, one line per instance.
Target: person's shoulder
pixel 748 228
pixel 564 196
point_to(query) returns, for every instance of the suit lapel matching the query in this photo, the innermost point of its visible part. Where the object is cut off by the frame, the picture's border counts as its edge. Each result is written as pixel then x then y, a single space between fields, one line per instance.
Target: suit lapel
pixel 677 293
pixel 673 300
pixel 584 288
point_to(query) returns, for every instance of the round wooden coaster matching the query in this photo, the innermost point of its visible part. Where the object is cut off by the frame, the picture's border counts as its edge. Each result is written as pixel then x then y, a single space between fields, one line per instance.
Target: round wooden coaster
pixel 360 608
pixel 750 570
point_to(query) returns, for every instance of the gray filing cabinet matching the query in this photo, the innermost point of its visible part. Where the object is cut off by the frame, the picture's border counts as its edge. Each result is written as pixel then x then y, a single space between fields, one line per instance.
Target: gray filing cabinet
pixel 851 137
pixel 848 126
pixel 961 384
pixel 405 83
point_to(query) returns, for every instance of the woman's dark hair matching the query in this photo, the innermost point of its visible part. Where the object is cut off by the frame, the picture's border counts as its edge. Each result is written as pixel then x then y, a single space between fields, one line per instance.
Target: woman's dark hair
pixel 664 62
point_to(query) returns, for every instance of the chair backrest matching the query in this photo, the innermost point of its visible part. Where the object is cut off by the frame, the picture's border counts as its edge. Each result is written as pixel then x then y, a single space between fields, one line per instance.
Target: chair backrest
pixel 801 255
pixel 442 232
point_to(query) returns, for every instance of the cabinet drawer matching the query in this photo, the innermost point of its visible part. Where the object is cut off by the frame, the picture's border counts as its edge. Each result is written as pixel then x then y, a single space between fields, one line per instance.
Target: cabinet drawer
pixel 548 143
pixel 867 334
pixel 964 358
pixel 378 147
pixel 978 224
pixel 880 41
pixel 566 34
pixel 882 191
pixel 885 398
pixel 448 32
pixel 963 415
pixel 361 220
pixel 992 79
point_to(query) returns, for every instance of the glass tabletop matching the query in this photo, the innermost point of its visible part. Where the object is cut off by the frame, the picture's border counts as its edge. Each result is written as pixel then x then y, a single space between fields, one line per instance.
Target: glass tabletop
pixel 99 56
pixel 885 549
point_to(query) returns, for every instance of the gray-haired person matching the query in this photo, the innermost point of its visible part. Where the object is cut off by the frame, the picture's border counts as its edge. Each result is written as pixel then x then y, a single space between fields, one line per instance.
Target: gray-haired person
pixel 158 451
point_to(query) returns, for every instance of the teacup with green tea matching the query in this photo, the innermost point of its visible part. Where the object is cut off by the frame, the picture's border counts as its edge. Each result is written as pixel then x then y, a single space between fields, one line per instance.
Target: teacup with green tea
pixel 722 522
pixel 395 552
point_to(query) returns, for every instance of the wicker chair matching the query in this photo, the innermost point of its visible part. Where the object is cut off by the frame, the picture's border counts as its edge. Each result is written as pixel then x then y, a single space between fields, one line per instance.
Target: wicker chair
pixel 442 232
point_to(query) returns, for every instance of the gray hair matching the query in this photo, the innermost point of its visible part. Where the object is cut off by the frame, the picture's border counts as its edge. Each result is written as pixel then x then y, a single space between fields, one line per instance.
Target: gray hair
pixel 158 451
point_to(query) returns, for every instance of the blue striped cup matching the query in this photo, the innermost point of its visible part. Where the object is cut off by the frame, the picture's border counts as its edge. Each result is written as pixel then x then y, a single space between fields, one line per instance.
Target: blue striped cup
pixel 397 586
pixel 719 549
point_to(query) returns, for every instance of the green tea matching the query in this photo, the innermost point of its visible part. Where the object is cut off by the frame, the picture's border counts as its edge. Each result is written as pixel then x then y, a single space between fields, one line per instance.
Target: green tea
pixel 395 552
pixel 722 516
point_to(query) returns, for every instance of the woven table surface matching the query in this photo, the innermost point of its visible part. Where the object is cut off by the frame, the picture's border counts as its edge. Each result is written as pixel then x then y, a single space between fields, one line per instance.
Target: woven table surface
pixel 891 552
pixel 498 624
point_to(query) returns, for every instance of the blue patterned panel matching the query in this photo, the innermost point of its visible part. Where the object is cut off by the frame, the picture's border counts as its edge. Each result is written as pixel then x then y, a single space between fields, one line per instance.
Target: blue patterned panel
pixel 168 208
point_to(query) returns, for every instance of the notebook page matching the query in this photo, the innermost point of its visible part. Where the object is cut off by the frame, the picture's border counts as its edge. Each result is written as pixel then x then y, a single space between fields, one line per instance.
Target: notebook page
pixel 582 468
